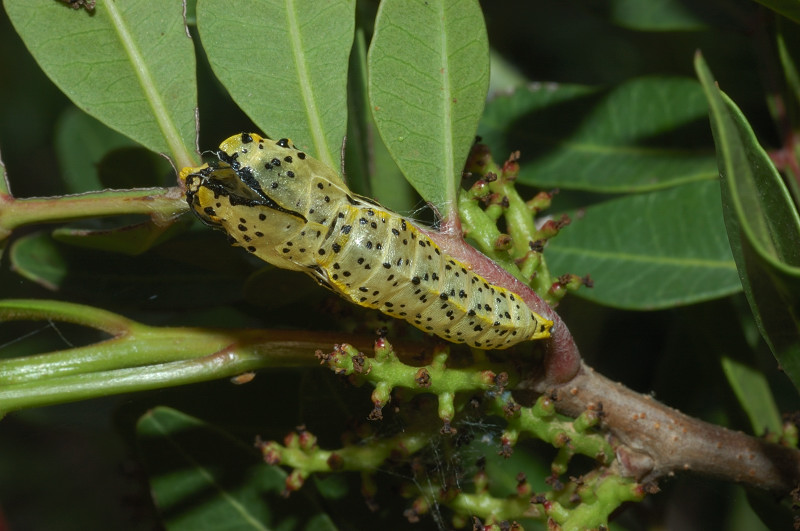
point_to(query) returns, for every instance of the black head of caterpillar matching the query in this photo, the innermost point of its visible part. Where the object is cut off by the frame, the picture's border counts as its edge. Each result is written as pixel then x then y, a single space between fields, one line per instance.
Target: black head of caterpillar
pixel 296 213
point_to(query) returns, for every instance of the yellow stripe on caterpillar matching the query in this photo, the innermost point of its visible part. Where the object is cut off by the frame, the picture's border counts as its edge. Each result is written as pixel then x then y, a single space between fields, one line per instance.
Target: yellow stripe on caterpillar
pixel 294 212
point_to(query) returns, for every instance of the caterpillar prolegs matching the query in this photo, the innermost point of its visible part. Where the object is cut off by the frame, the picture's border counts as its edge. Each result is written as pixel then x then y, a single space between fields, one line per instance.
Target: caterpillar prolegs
pixel 294 212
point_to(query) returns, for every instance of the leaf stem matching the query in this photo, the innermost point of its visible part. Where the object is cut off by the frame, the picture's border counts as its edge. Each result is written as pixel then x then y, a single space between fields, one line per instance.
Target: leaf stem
pixel 33 309
pixel 156 358
pixel 140 357
pixel 96 384
pixel 162 204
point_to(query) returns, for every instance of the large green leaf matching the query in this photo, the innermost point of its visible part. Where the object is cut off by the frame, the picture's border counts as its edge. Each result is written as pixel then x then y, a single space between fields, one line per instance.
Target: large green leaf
pixel 645 134
pixel 204 479
pixel 650 251
pixel 763 227
pixel 285 64
pixel 428 78
pixel 129 64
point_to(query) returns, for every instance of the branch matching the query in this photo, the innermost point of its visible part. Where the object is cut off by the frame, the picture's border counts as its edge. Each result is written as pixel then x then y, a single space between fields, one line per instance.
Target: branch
pixel 161 204
pixel 654 440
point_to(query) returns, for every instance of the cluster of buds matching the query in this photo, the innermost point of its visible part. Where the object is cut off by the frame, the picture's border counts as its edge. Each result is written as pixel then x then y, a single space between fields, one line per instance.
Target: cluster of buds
pixel 387 373
pixel 455 394
pixel 492 196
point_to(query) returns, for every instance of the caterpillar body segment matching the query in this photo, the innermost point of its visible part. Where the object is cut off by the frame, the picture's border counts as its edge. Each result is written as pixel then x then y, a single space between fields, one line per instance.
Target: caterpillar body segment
pixel 296 213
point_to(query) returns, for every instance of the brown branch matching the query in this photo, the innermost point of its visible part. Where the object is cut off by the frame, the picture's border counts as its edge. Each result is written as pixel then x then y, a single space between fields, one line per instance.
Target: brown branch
pixel 653 440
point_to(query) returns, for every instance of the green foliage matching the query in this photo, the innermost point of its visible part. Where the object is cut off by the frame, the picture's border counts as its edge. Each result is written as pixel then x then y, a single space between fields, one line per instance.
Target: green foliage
pixel 648 240
pixel 284 63
pixel 580 503
pixel 129 65
pixel 428 77
pixel 369 165
pixel 185 461
pixel 763 228
pixel 614 122
pixel 645 134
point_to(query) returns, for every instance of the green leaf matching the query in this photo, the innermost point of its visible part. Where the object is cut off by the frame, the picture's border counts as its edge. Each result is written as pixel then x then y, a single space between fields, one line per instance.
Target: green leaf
pixel 93 157
pixel 81 143
pixel 645 134
pixel 712 330
pixel 788 8
pixel 753 393
pixel 371 171
pixel 428 78
pixel 285 65
pixel 657 15
pixel 129 64
pixel 763 227
pixel 650 251
pixel 202 478
pixel 360 125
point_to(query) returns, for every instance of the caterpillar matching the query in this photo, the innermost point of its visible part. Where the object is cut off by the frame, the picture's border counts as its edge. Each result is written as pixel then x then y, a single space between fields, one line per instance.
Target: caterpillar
pixel 294 212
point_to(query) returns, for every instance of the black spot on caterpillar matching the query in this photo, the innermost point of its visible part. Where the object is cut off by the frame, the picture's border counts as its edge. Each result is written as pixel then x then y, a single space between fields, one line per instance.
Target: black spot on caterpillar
pixel 294 212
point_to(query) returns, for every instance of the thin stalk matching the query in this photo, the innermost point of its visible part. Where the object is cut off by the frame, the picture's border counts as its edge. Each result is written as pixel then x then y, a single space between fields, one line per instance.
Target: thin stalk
pixel 162 357
pixel 140 357
pixel 225 363
pixel 160 203
pixel 40 310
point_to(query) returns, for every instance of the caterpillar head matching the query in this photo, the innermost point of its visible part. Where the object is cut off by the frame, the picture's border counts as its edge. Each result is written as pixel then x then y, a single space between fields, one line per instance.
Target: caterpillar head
pixel 255 192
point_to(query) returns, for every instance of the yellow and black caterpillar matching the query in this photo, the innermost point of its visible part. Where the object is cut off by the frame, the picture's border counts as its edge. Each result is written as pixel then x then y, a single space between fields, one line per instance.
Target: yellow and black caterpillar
pixel 294 212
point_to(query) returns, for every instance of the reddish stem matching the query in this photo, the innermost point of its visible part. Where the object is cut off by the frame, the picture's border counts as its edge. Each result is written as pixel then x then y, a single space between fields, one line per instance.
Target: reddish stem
pixel 562 358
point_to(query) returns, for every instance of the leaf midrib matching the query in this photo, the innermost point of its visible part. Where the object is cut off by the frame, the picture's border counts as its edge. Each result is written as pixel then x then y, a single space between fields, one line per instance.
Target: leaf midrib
pixel 152 96
pixel 447 124
pixel 642 258
pixel 241 509
pixel 321 147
